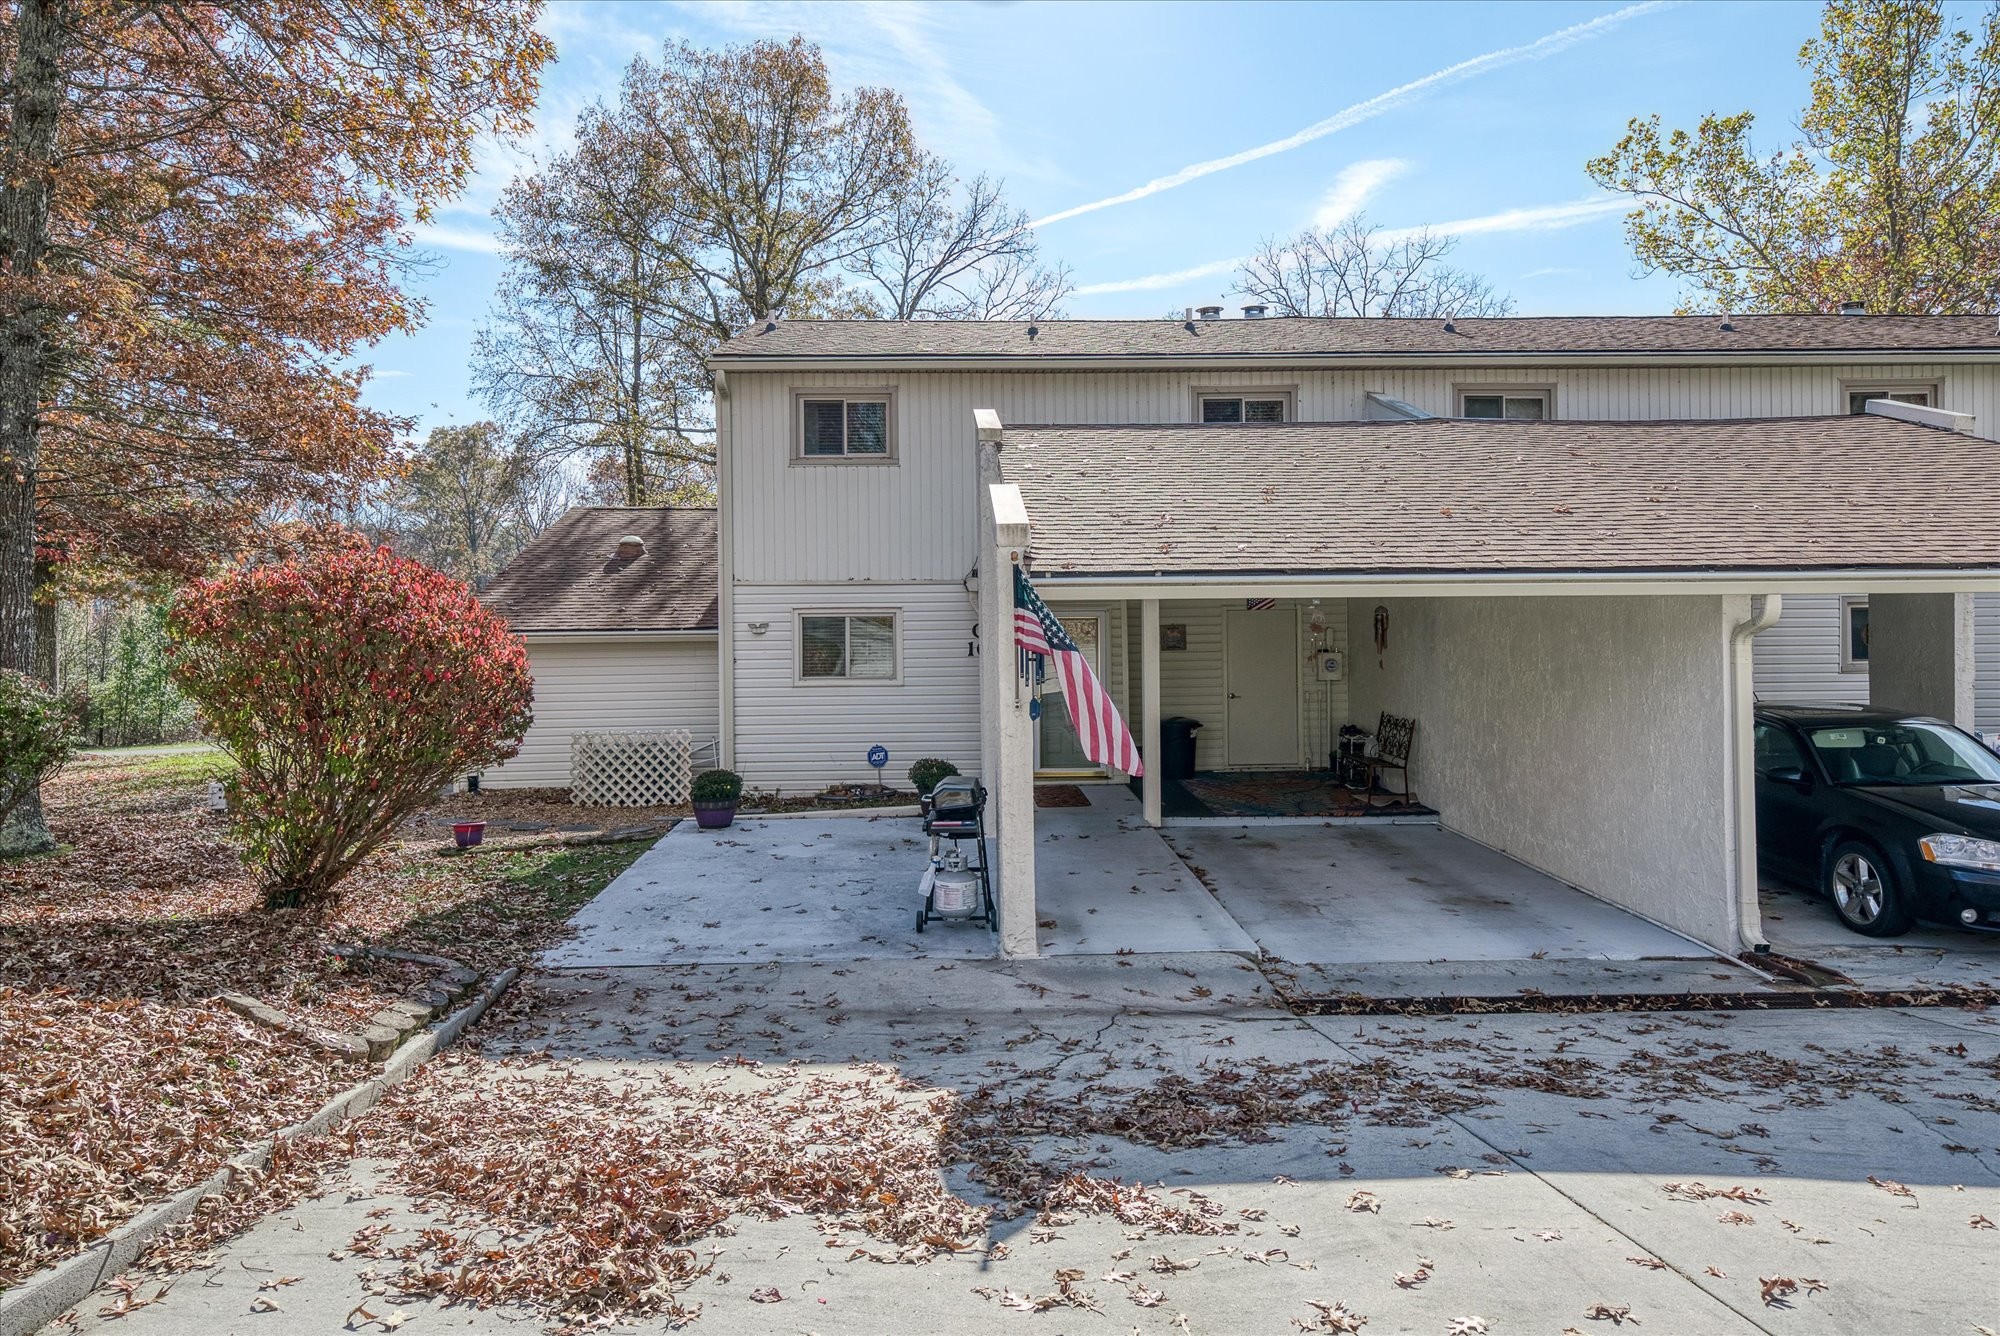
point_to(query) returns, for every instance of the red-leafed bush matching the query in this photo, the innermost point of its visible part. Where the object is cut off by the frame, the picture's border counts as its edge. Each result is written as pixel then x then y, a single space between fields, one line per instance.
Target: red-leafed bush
pixel 350 685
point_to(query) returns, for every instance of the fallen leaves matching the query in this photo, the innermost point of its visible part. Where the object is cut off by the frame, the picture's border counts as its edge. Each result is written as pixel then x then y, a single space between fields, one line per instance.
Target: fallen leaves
pixel 1778 1290
pixel 1616 1314
pixel 1892 1187
pixel 1703 1192
pixel 1363 1202
pixel 1334 1317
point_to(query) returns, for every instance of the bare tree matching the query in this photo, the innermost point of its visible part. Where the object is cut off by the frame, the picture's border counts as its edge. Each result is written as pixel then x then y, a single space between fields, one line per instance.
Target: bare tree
pixel 955 251
pixel 1354 268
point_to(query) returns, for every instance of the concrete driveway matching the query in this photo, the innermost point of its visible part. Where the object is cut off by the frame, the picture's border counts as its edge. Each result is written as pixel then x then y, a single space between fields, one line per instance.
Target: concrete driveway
pixel 1508 1174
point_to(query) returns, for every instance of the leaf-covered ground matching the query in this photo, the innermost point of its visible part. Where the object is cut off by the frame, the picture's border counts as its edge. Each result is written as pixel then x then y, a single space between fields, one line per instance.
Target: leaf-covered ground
pixel 122 1080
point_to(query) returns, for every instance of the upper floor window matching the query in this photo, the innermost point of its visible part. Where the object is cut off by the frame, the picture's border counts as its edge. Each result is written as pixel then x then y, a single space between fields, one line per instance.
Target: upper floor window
pixel 1859 395
pixel 1526 405
pixel 1271 406
pixel 847 647
pixel 849 425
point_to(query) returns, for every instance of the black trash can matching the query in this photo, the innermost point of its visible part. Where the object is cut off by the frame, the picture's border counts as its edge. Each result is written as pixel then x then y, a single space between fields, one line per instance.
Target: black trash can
pixel 1177 747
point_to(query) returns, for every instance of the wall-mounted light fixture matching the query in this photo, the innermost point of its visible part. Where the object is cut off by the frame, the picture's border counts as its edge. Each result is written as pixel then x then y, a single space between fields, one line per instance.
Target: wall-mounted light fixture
pixel 759 628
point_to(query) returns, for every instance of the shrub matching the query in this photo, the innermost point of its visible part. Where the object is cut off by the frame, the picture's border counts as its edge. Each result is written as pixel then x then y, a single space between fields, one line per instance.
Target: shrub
pixel 350 685
pixel 717 786
pixel 926 773
pixel 38 729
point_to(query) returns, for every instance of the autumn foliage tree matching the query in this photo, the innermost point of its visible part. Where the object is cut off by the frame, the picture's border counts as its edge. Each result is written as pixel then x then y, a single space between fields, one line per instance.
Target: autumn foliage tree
pixel 350 685
pixel 1891 197
pixel 723 187
pixel 203 216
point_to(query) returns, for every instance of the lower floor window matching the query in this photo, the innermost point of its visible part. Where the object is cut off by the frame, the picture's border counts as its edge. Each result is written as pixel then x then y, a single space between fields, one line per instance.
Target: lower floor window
pixel 847 646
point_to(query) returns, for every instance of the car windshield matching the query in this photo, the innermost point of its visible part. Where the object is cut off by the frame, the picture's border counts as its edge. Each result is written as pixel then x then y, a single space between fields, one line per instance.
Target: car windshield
pixel 1906 753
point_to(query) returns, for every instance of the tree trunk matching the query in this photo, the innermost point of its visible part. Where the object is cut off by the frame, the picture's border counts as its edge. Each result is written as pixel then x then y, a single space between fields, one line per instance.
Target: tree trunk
pixel 35 114
pixel 47 667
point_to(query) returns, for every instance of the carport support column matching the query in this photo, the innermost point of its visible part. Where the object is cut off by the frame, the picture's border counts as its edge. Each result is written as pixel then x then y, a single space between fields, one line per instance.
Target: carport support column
pixel 1010 767
pixel 1149 691
pixel 1920 655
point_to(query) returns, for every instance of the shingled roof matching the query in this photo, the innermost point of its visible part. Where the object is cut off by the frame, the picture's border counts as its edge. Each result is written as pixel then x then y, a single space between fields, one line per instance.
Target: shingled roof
pixel 1356 339
pixel 1460 496
pixel 572 579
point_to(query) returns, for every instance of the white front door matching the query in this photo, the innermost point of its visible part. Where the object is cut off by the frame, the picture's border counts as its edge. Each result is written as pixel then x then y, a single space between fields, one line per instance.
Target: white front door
pixel 1261 676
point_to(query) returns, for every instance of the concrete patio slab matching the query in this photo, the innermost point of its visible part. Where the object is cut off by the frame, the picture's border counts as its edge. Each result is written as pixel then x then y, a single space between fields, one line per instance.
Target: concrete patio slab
pixel 845 889
pixel 1339 894
pixel 1524 978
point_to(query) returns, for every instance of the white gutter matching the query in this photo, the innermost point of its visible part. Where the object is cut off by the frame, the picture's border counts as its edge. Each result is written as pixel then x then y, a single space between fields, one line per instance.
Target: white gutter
pixel 622 637
pixel 1358 584
pixel 1764 613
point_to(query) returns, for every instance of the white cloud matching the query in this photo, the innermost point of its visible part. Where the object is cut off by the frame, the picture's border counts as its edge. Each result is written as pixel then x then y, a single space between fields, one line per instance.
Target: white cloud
pixel 1152 281
pixel 1354 186
pixel 1555 271
pixel 1540 49
pixel 457 238
pixel 1541 218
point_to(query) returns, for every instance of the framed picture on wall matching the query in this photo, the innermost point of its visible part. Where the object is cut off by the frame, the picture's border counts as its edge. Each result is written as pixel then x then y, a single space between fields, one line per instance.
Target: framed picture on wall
pixel 1173 635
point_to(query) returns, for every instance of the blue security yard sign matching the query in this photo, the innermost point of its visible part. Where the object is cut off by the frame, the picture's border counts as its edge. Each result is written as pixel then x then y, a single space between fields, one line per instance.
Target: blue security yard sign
pixel 878 756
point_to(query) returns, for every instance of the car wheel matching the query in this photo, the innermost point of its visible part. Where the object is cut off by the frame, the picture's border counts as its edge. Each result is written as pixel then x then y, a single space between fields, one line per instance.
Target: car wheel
pixel 1863 889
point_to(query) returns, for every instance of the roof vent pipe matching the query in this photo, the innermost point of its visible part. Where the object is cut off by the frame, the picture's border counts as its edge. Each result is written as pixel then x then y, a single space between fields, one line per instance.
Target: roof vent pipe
pixel 1854 308
pixel 1255 311
pixel 1209 312
pixel 631 547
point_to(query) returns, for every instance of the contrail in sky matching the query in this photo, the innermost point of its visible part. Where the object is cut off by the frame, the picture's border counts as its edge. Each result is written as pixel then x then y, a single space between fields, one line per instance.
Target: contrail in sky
pixel 1373 107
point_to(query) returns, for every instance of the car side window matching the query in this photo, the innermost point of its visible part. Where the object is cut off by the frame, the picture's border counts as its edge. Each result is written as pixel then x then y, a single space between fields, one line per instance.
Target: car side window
pixel 1777 750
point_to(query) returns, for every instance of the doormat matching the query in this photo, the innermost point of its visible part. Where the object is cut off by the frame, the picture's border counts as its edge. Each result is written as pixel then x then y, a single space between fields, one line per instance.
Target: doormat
pixel 1288 793
pixel 1060 795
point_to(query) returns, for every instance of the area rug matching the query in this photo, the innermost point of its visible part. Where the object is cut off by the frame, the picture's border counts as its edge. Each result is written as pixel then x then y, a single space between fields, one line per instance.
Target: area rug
pixel 1060 795
pixel 1288 793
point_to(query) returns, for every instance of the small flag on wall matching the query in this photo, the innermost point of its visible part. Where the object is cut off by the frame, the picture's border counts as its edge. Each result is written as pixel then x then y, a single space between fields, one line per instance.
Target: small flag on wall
pixel 1259 604
pixel 1039 637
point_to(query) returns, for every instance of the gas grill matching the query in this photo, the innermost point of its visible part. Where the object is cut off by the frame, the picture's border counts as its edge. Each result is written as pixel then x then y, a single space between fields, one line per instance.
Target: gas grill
pixel 956 886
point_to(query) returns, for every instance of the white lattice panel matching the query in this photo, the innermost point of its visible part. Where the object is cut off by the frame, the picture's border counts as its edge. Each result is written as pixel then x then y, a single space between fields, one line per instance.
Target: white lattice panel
pixel 636 768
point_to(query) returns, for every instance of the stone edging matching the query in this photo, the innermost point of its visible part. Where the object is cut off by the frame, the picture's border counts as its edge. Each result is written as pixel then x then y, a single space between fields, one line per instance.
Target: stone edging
pixel 375 1040
pixel 47 1295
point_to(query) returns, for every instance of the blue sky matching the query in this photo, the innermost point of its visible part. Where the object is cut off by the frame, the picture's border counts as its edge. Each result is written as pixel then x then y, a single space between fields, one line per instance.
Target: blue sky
pixel 1230 122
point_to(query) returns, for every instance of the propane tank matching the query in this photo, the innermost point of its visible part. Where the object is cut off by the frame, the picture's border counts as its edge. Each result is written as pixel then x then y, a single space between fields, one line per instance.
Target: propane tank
pixel 954 886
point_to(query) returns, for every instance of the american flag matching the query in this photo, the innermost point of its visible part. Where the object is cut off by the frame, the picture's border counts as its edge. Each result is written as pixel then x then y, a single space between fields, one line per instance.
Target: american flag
pixel 1039 637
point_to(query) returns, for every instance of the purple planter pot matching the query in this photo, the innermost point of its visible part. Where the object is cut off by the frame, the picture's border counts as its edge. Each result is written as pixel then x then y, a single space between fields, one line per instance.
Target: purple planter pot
pixel 712 814
pixel 468 833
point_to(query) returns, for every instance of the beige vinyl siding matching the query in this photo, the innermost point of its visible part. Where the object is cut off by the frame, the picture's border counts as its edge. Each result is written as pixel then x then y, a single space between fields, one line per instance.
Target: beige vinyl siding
pixel 915 518
pixel 606 683
pixel 800 737
pixel 1986 662
pixel 1798 660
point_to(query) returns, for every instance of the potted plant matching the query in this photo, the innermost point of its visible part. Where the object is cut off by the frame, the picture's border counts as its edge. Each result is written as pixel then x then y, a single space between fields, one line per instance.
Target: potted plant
pixel 714 795
pixel 925 774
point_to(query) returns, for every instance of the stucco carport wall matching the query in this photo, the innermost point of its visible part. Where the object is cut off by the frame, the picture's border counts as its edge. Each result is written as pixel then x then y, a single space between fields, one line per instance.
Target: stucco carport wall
pixel 1585 736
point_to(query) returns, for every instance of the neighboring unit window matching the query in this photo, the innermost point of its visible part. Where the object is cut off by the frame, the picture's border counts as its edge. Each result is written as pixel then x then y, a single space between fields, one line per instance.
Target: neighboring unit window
pixel 1512 405
pixel 847 646
pixel 1245 408
pixel 1859 395
pixel 844 428
pixel 1854 635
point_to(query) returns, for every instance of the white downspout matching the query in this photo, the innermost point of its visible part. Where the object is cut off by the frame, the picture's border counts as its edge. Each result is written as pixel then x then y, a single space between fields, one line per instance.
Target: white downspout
pixel 725 594
pixel 1764 612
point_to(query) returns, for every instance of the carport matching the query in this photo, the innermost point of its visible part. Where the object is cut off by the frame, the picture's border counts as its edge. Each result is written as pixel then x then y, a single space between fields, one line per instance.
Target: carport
pixel 1566 607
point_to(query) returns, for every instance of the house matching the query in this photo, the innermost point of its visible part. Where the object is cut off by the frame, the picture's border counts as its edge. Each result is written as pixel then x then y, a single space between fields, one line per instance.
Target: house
pixel 1555 542
pixel 618 609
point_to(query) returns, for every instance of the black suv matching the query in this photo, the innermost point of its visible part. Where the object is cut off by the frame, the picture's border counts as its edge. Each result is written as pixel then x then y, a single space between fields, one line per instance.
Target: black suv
pixel 1895 817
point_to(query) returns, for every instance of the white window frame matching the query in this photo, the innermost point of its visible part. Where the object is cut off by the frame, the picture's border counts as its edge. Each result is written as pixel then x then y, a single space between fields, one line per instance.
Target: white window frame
pixel 799 677
pixel 884 395
pixel 1546 393
pixel 1848 663
pixel 1883 389
pixel 1284 394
